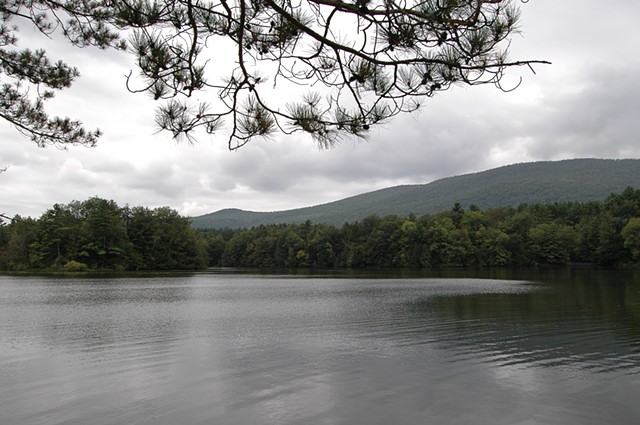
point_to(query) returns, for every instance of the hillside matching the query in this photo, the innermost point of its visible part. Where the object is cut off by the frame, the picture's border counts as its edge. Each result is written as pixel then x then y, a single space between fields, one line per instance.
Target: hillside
pixel 512 185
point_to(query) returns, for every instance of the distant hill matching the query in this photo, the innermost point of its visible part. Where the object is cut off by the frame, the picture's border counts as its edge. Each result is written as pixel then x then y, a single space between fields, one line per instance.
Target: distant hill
pixel 512 185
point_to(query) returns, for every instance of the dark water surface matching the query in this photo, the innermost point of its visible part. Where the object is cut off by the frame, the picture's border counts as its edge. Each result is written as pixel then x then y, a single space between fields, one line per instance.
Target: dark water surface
pixel 555 347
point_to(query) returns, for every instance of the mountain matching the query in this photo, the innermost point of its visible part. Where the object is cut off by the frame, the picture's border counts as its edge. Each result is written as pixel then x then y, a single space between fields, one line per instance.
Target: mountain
pixel 511 185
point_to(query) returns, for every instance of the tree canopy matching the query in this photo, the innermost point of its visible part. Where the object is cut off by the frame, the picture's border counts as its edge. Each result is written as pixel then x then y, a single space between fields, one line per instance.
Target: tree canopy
pixel 562 233
pixel 357 62
pixel 97 234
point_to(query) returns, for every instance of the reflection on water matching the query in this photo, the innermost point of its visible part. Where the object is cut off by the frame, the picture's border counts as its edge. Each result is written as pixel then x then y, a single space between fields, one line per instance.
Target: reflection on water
pixel 505 347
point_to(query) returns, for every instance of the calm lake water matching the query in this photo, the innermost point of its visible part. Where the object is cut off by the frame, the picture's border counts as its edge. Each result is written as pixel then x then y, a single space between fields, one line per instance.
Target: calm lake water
pixel 552 347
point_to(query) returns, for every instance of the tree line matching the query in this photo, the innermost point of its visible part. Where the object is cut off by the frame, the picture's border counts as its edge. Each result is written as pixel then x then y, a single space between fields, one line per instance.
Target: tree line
pixel 98 234
pixel 603 233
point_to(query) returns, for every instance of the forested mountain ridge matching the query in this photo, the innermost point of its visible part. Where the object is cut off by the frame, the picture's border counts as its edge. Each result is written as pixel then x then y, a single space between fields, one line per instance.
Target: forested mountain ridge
pixel 577 180
pixel 603 233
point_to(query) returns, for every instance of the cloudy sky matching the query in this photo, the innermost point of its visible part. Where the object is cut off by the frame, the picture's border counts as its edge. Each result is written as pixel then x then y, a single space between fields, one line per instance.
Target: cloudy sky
pixel 587 104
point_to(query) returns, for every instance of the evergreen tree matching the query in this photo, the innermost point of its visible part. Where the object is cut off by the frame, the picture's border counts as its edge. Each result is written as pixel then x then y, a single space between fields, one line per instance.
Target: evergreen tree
pixel 105 239
pixel 59 236
pixel 163 240
pixel 631 235
pixel 18 239
pixel 367 60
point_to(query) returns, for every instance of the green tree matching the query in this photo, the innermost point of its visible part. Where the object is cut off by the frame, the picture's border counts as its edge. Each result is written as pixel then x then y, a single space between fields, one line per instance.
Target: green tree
pixel 105 237
pixel 552 243
pixel 215 243
pixel 611 250
pixel 292 246
pixel 359 248
pixel 448 245
pixel 517 226
pixel 492 247
pixel 236 248
pixel 373 59
pixel 163 240
pixel 18 238
pixel 624 205
pixel 456 214
pixel 588 242
pixel 323 246
pixel 97 233
pixel 631 234
pixel 472 220
pixel 261 251
pixel 379 242
pixel 59 236
pixel 414 251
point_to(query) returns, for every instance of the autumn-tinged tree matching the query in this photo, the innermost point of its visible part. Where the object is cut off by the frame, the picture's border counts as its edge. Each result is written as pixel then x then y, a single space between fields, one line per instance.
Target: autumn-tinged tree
pixel 364 61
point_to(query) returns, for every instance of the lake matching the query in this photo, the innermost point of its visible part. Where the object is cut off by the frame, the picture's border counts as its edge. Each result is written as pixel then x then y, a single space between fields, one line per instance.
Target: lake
pixel 554 346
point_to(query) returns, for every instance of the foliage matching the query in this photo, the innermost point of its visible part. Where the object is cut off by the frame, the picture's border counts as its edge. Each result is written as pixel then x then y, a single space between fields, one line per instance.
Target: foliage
pixel 75 266
pixel 163 240
pixel 98 234
pixel 366 60
pixel 28 78
pixel 631 235
pixel 579 180
pixel 17 238
pixel 604 233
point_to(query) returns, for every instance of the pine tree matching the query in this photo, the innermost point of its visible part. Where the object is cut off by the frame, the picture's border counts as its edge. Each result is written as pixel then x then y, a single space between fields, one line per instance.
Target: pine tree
pixel 365 60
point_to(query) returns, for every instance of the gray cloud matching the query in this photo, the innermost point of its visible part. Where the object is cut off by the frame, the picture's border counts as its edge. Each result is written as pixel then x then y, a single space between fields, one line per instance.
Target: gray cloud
pixel 600 118
pixel 584 105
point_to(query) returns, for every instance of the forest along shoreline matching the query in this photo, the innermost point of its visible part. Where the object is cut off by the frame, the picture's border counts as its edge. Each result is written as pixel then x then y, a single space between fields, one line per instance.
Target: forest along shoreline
pixel 99 235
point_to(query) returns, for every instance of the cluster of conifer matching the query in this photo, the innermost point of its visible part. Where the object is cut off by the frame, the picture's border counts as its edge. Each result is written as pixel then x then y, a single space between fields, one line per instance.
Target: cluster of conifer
pixel 98 234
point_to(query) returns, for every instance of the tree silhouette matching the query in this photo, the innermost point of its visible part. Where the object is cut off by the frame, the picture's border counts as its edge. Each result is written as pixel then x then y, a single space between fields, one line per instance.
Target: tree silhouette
pixel 341 67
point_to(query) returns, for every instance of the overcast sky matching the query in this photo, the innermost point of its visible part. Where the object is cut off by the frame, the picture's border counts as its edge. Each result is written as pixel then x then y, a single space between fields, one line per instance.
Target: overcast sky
pixel 587 104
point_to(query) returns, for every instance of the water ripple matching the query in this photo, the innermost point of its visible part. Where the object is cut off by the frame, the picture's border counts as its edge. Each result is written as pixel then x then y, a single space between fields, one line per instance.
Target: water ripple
pixel 236 350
